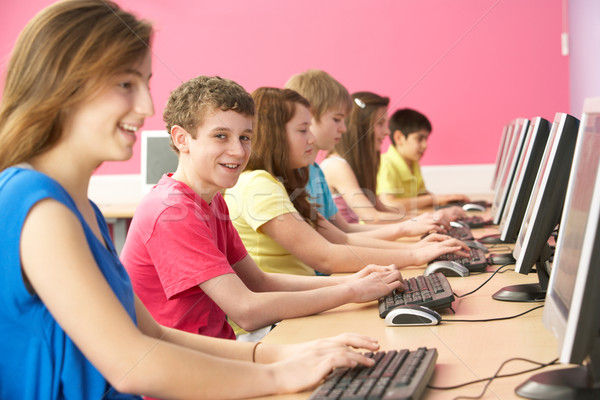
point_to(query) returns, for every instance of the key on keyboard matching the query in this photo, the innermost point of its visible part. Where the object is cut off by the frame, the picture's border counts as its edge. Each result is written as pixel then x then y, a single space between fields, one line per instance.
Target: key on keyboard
pixel 460 233
pixel 401 374
pixel 431 291
pixel 476 261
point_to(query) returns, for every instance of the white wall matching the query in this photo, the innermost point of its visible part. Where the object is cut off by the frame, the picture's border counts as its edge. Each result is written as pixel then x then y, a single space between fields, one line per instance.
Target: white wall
pixel 467 179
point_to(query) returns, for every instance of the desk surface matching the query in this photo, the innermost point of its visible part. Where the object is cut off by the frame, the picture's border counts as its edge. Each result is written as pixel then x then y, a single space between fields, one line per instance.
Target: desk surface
pixel 117 210
pixel 466 350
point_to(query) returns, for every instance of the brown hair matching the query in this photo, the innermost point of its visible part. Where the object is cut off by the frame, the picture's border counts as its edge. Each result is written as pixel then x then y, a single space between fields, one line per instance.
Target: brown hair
pixel 322 91
pixel 357 145
pixel 189 104
pixel 270 148
pixel 64 55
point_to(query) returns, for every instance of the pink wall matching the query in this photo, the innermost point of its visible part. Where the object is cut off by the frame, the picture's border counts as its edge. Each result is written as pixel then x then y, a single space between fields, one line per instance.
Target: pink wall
pixel 470 65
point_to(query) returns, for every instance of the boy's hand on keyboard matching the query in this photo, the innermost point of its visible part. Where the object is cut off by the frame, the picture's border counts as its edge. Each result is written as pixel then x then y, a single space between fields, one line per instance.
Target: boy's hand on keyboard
pixel 307 364
pixel 434 245
pixel 374 281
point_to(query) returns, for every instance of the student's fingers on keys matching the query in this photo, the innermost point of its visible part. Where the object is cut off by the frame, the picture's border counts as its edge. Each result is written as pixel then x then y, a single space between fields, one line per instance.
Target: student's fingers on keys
pixel 459 250
pixel 356 341
pixel 459 243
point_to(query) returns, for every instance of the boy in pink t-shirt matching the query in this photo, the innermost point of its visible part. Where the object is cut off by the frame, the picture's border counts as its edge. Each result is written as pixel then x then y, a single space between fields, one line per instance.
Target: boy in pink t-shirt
pixel 185 259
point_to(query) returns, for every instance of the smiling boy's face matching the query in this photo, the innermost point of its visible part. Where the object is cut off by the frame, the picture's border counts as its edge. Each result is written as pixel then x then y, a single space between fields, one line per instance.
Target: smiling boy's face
pixel 413 146
pixel 216 157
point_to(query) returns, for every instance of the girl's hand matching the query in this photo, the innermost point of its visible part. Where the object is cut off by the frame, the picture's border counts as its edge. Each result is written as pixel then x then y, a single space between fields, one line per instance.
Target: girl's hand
pixel 453 213
pixel 307 364
pixel 425 223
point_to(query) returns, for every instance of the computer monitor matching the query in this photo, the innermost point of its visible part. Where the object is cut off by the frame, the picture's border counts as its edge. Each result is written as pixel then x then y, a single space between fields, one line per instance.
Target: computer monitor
pixel 157 158
pixel 505 177
pixel 527 168
pixel 500 154
pixel 543 211
pixel 572 311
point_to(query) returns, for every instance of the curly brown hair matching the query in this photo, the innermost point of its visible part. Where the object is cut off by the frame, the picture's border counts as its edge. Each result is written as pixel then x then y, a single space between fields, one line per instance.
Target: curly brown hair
pixel 189 104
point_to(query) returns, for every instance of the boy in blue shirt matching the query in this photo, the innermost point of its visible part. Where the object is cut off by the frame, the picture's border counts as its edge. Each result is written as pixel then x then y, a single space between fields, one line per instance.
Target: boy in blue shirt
pixel 330 103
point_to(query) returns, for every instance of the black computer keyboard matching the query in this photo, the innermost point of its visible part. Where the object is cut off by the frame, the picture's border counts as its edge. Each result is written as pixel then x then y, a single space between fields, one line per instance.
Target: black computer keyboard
pixel 431 291
pixel 476 261
pixel 460 233
pixel 401 374
pixel 475 221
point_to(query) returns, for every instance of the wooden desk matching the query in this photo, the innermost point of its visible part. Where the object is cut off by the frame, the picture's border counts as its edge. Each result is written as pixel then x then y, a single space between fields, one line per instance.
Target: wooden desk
pixel 467 350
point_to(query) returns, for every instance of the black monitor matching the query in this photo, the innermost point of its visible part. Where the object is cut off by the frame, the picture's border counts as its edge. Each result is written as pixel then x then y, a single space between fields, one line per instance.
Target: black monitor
pixel 501 150
pixel 507 172
pixel 527 168
pixel 543 211
pixel 572 311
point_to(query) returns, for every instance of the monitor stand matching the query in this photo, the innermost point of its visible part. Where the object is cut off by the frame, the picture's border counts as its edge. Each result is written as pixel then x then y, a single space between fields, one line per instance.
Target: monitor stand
pixel 529 292
pixel 577 383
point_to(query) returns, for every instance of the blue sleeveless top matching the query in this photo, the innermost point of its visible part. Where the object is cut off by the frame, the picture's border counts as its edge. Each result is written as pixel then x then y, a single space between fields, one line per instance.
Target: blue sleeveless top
pixel 37 358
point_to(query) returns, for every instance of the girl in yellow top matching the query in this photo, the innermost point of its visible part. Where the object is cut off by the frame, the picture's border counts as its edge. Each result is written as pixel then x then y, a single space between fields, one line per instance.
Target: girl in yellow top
pixel 269 205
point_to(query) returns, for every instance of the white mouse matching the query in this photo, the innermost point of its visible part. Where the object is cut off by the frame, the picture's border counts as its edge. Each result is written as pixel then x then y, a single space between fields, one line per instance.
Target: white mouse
pixel 412 315
pixel 447 268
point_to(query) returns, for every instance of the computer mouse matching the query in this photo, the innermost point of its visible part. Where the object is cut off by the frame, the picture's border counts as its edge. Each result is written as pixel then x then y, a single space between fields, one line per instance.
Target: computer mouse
pixel 476 245
pixel 501 259
pixel 411 315
pixel 447 268
pixel 473 207
pixel 458 224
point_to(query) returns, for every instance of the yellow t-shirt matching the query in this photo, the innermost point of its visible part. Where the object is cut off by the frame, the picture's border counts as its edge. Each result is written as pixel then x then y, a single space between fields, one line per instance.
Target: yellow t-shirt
pixel 395 177
pixel 258 198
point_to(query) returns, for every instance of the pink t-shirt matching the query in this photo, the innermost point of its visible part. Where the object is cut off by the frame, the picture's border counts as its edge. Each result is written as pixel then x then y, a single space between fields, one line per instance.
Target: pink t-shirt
pixel 177 241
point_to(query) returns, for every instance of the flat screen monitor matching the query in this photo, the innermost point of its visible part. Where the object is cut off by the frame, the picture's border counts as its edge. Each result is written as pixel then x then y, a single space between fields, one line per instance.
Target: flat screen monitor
pixel 527 168
pixel 157 158
pixel 543 211
pixel 500 154
pixel 505 177
pixel 572 311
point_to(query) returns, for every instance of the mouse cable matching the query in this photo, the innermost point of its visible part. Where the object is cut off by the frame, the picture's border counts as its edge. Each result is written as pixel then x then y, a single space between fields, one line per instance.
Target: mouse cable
pixel 493 319
pixel 496 375
pixel 483 284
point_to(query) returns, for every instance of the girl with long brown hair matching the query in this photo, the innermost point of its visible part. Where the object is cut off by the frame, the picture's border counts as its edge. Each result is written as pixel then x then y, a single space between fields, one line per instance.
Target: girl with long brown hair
pixel 351 169
pixel 270 208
